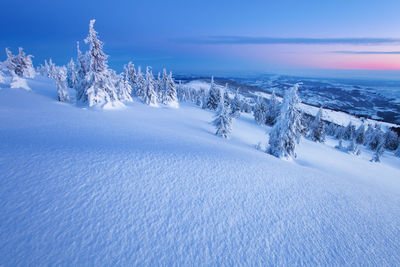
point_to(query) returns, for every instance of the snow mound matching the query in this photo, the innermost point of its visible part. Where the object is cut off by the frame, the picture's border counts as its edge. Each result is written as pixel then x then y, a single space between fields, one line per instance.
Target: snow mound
pixel 18 82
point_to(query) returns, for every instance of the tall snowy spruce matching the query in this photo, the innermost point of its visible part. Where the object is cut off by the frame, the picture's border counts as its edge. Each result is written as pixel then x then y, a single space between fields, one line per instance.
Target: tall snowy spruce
pixel 317 128
pixel 286 131
pixel 169 97
pixel 214 96
pixel 223 121
pixel 99 88
pixel 149 94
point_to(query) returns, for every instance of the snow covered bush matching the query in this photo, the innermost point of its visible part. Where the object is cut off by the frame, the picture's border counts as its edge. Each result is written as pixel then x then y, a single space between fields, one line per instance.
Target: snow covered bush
pixel 286 131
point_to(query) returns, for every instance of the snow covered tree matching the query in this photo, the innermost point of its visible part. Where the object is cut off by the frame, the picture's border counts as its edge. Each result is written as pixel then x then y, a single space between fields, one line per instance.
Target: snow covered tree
pixel 82 68
pixel 349 131
pixel 380 147
pixel 124 89
pixel 226 97
pixel 51 70
pixel 339 135
pixel 352 146
pixel 317 128
pixel 236 105
pixel 374 140
pixel 222 121
pixel 71 74
pixel 100 88
pixel 131 77
pixel 260 110
pixel 170 96
pixel 286 131
pixel 200 96
pixel 214 96
pixel 158 87
pixel 391 140
pixel 368 134
pixel 20 65
pixel 140 84
pixel 150 95
pixel 273 108
pixel 60 79
pixel 360 134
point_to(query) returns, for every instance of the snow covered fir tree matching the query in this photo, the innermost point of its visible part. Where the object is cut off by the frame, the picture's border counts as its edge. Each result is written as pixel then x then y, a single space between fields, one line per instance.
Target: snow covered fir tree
pixel 285 134
pixel 223 120
pixel 214 96
pixel 98 88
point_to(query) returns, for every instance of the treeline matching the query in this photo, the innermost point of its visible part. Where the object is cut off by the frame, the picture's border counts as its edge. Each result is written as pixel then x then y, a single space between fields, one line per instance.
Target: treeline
pixel 93 83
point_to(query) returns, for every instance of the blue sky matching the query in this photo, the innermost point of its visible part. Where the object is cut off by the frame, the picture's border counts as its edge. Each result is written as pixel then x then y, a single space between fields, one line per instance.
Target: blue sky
pixel 212 36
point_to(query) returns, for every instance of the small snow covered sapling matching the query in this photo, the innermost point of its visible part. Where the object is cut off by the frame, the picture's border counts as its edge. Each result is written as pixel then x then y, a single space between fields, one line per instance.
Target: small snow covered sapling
pixel 223 121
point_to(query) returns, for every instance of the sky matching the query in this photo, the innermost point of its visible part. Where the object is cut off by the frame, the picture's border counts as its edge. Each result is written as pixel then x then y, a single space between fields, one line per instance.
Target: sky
pixel 212 36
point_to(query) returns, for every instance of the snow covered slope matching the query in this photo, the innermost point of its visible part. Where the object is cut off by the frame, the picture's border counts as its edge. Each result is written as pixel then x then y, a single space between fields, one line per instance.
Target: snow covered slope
pixel 155 186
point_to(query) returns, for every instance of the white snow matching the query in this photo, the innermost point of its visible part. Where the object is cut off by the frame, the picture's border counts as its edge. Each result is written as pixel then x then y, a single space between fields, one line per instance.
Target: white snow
pixel 18 82
pixel 155 186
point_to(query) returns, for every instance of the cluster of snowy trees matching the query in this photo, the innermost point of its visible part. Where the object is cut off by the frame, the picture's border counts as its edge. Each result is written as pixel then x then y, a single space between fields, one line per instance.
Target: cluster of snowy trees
pixel 289 124
pixel 95 84
pixel 89 81
pixel 372 137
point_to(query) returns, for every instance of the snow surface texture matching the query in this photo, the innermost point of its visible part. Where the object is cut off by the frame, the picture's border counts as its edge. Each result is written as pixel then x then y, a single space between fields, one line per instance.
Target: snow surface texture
pixel 155 186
